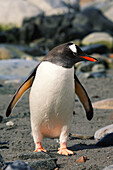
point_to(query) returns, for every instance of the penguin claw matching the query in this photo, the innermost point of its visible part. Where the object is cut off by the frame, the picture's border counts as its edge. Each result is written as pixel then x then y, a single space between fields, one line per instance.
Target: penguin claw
pixel 40 150
pixel 65 151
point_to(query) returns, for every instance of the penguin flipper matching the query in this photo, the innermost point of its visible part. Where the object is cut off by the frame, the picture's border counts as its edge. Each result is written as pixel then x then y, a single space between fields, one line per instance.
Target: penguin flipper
pixel 22 89
pixel 84 99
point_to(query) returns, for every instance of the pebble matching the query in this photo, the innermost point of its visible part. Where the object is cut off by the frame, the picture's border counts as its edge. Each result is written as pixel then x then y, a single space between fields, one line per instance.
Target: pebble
pixel 10 123
pixel 82 159
pixel 107 140
pixel 103 131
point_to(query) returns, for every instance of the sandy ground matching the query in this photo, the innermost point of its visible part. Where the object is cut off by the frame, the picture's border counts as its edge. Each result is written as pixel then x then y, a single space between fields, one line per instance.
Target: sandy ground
pixel 21 141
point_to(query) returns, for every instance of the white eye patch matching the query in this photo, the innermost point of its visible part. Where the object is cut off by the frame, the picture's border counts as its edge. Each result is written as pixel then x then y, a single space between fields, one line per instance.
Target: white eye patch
pixel 73 48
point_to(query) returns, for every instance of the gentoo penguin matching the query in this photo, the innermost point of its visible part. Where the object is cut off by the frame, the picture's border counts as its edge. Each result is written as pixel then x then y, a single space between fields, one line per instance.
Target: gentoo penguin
pixel 53 86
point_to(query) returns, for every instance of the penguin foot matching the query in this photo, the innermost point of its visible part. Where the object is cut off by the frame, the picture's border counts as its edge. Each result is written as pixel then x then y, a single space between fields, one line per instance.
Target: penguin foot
pixel 64 151
pixel 39 148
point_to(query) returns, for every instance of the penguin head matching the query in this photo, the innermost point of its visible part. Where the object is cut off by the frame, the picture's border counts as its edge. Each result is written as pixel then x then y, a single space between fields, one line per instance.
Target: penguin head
pixel 66 55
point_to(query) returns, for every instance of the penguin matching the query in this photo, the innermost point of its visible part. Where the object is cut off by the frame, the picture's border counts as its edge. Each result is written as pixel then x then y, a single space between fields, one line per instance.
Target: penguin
pixel 53 86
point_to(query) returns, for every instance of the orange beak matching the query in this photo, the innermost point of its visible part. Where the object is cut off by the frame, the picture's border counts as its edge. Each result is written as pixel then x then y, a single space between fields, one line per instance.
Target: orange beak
pixel 89 58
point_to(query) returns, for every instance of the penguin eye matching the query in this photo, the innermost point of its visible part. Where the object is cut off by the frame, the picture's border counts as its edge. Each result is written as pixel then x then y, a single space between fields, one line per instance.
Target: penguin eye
pixel 73 48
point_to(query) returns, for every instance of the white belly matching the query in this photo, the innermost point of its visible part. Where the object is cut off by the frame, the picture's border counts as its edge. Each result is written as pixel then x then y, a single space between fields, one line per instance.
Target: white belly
pixel 52 99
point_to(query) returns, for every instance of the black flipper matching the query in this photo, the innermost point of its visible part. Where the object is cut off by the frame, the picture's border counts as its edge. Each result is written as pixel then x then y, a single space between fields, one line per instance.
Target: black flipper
pixel 22 89
pixel 84 99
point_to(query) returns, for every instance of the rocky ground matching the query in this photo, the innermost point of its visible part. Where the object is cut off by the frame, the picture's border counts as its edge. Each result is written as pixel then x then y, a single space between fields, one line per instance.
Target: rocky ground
pixel 18 132
pixel 25 45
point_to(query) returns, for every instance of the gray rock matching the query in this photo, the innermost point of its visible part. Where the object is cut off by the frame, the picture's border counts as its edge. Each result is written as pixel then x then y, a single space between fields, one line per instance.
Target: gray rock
pixel 109 168
pixel 107 140
pixel 106 6
pixel 98 38
pixel 2 163
pixel 85 66
pixel 97 75
pixel 43 164
pixel 18 165
pixel 87 75
pixel 66 27
pixel 90 70
pixel 103 131
pixel 97 21
pixel 98 68
pixel 34 155
pixel 38 160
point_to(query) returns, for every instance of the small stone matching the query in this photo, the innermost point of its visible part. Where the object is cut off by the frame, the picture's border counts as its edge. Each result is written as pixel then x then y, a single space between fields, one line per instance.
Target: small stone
pixel 82 159
pixel 103 131
pixel 107 140
pixel 10 123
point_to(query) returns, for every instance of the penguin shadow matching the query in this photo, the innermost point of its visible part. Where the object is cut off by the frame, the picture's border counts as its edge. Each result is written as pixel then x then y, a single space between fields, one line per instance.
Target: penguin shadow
pixel 78 147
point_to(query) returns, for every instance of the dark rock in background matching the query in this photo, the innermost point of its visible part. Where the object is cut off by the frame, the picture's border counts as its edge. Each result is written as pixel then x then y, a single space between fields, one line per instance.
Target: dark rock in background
pixel 107 140
pixel 97 21
pixel 95 48
pixel 57 29
pixel 66 27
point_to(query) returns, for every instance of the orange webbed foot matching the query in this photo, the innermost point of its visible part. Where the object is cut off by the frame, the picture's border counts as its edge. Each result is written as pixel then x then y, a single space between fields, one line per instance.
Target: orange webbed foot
pixel 64 151
pixel 39 148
